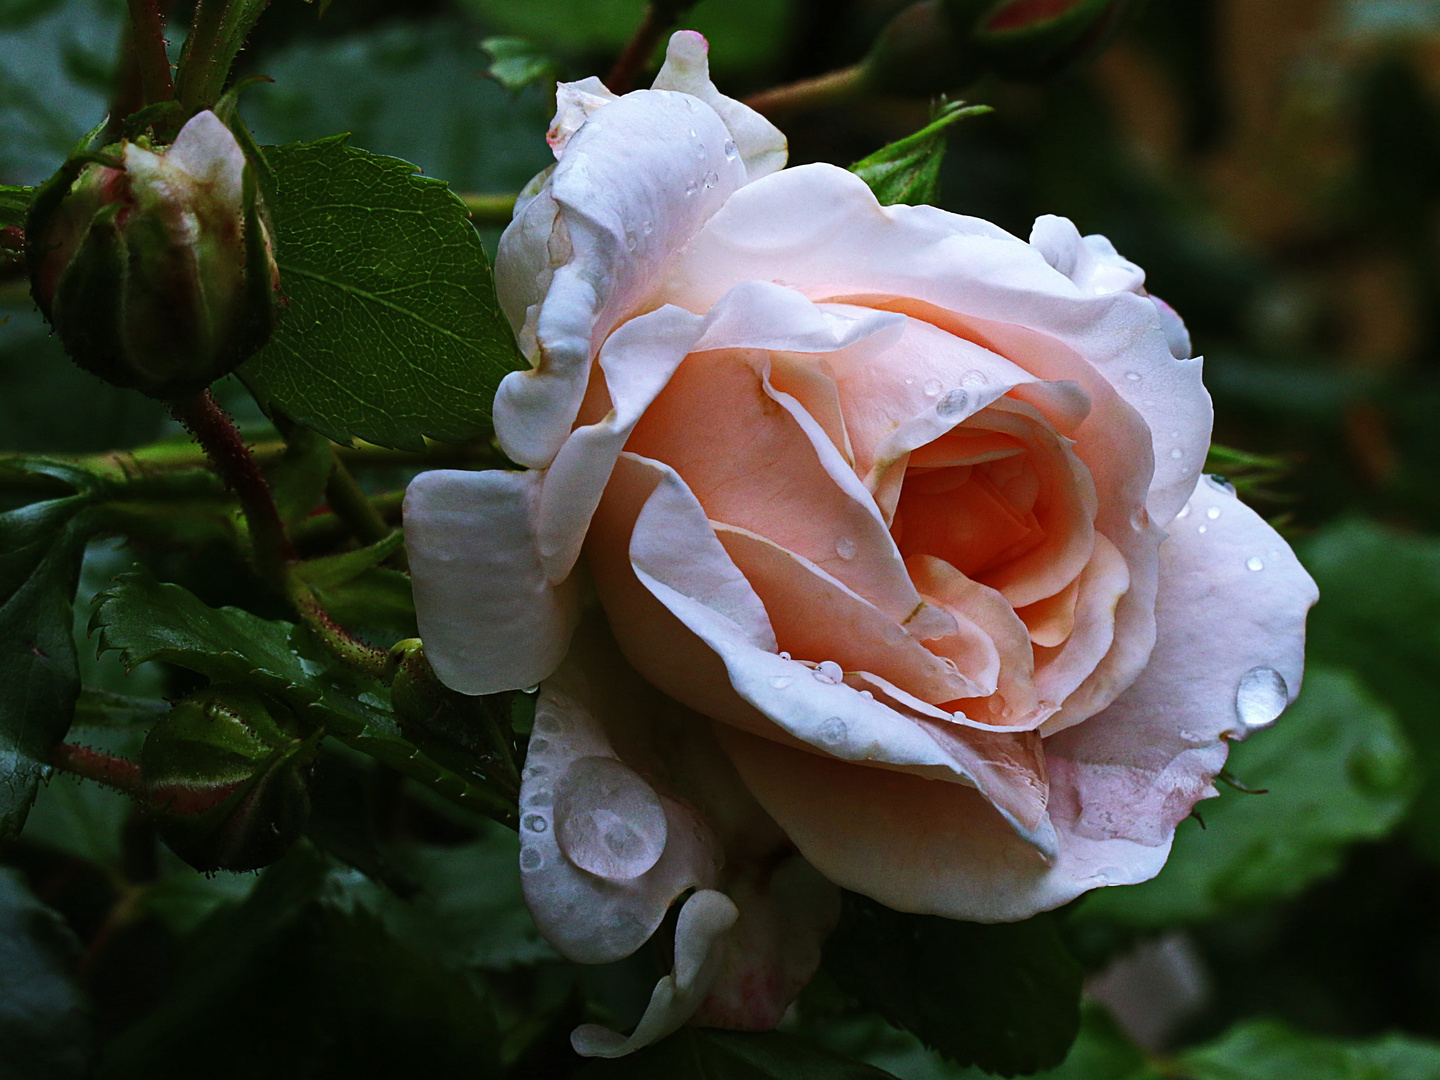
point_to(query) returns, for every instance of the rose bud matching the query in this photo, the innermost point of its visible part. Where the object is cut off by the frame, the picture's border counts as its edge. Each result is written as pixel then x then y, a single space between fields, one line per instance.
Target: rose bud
pixel 857 546
pixel 225 782
pixel 155 265
pixel 938 45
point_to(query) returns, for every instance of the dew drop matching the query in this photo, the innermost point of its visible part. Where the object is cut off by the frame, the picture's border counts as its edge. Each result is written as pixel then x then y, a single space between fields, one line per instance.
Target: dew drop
pixel 833 731
pixel 1261 696
pixel 845 547
pixel 1133 376
pixel 694 134
pixel 973 378
pixel 829 672
pixel 536 823
pixel 531 858
pixel 630 242
pixel 784 656
pixel 540 797
pixel 1213 513
pixel 1177 453
pixel 932 387
pixel 867 695
pixel 1254 563
pixel 909 380
pixel 952 404
pixel 539 746
pixel 692 187
pixel 731 150
pixel 534 771
pixel 608 820
pixel 531 689
pixel 780 682
pixel 1203 529
pixel 711 179
pixel 647 228
pixel 950 665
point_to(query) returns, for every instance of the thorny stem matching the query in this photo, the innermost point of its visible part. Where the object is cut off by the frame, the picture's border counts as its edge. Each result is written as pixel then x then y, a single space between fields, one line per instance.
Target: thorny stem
pixel 218 436
pixel 349 650
pixel 116 772
pixel 147 37
pixel 829 89
pixel 659 17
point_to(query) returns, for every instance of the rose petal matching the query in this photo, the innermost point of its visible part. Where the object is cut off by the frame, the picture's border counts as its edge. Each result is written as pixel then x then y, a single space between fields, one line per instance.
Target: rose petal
pixel 490 618
pixel 1227 659
pixel 704 919
pixel 1060 671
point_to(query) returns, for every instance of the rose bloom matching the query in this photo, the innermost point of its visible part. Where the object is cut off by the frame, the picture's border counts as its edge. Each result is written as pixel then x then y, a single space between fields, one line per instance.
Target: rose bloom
pixel 857 546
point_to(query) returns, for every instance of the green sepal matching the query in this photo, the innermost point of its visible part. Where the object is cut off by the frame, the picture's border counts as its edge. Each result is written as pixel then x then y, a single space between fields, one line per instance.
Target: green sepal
pixel 908 171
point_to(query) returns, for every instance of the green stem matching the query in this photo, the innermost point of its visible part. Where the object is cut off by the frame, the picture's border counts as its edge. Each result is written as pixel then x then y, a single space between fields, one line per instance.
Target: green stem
pixel 490 209
pixel 147 36
pixel 232 459
pixel 660 16
pixel 216 34
pixel 830 89
pixel 122 774
pixel 325 531
pixel 349 650
pixel 353 506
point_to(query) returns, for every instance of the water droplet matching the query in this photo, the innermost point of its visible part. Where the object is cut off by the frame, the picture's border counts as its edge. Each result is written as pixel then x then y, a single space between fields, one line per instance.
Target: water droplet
pixel 534 771
pixel 731 150
pixel 1108 875
pixel 780 682
pixel 845 547
pixel 694 134
pixel 833 731
pixel 950 665
pixel 973 378
pixel 1184 512
pixel 699 152
pixel 1261 696
pixel 867 695
pixel 1219 483
pixel 932 387
pixel 692 187
pixel 1133 376
pixel 1177 453
pixel 630 242
pixel 647 228
pixel 531 689
pixel 1140 517
pixel 784 656
pixel 711 179
pixel 829 672
pixel 539 746
pixel 531 858
pixel 536 823
pixel 909 380
pixel 540 797
pixel 1213 513
pixel 1203 529
pixel 608 820
pixel 1254 563
pixel 690 103
pixel 952 404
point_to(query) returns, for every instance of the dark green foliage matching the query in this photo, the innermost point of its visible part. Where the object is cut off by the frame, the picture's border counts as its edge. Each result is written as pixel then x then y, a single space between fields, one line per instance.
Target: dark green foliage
pixel 692 1054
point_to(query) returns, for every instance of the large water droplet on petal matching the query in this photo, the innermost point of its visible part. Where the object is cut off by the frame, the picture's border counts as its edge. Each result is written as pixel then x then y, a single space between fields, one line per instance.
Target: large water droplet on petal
pixel 952 404
pixel 531 858
pixel 1254 563
pixel 845 547
pixel 1213 513
pixel 932 387
pixel 1261 696
pixel 832 732
pixel 731 150
pixel 535 823
pixel 608 820
pixel 829 672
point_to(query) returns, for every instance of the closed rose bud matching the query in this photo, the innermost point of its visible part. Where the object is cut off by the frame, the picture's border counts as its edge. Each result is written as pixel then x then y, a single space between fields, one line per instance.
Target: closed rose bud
pixel 939 45
pixel 156 265
pixel 225 781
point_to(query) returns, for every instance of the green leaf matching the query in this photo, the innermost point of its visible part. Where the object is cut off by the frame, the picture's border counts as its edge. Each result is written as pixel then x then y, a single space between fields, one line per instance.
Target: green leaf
pixel 908 171
pixel 14 204
pixel 44 1018
pixel 1264 1050
pixel 107 709
pixel 42 547
pixel 144 619
pixel 392 331
pixel 80 819
pixel 297 481
pixel 302 979
pixel 1015 984
pixel 1380 615
pixel 1336 769
pixel 515 63
pixel 359 593
pixel 704 1054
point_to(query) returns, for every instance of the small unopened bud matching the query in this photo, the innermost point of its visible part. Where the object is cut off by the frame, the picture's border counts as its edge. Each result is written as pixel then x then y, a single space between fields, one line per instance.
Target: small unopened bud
pixel 225 782
pixel 934 46
pixel 156 265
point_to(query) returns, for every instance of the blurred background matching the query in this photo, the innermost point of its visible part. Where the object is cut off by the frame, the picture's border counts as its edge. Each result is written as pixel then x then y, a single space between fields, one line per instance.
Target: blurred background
pixel 1275 167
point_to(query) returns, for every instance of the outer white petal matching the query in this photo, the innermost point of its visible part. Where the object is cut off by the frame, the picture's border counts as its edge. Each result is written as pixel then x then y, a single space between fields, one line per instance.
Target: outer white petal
pixel 630 189
pixel 490 618
pixel 1228 658
pixel 759 143
pixel 205 149
pixel 703 920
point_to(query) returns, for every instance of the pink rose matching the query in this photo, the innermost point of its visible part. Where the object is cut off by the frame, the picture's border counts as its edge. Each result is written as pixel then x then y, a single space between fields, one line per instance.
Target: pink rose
pixel 858 545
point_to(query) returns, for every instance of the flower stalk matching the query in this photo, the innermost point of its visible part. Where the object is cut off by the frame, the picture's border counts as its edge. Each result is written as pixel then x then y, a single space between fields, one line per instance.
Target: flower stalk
pixel 147 37
pixel 119 773
pixel 832 88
